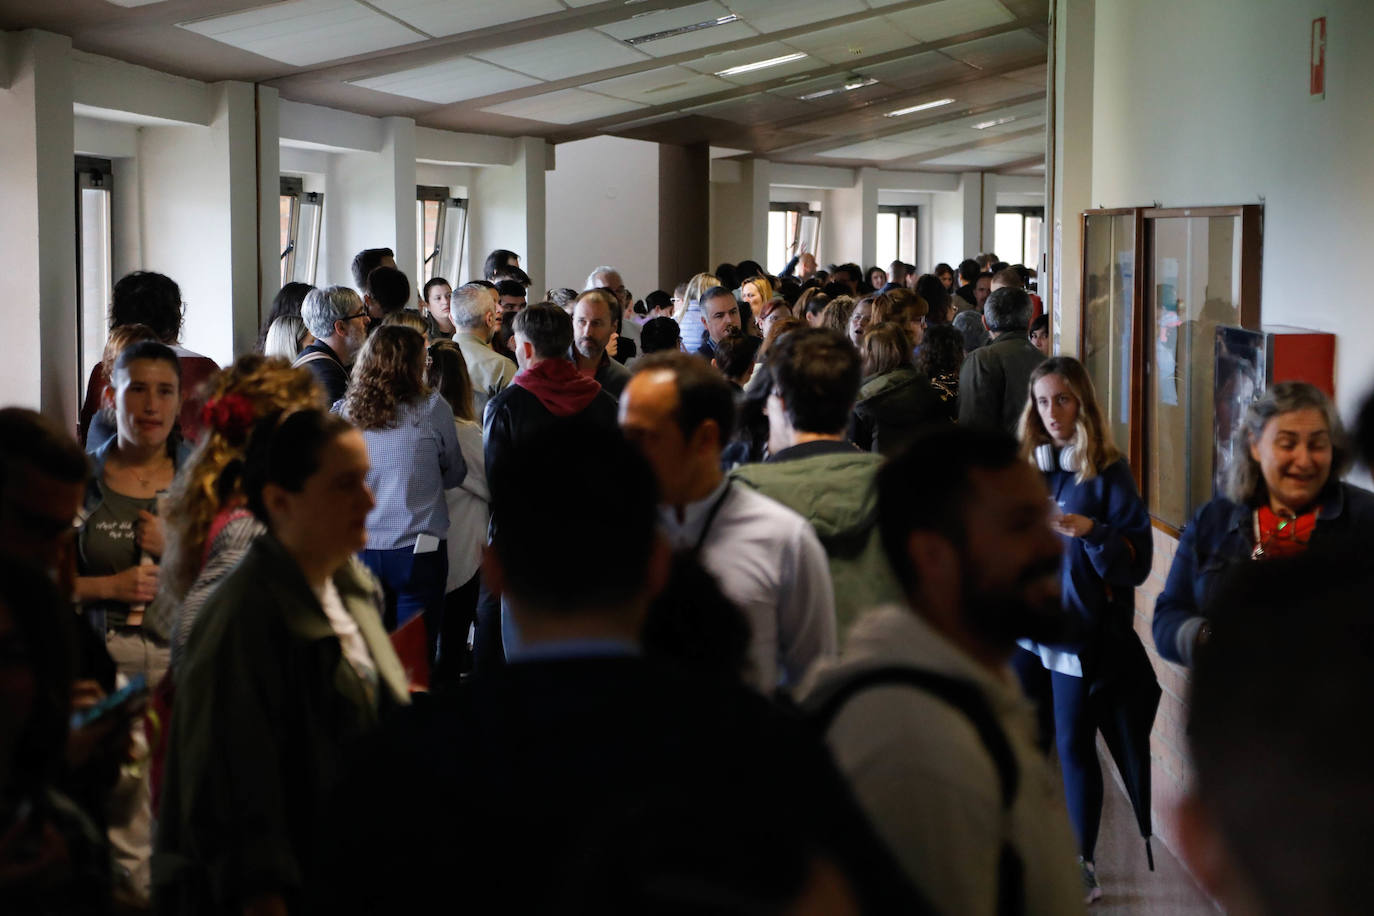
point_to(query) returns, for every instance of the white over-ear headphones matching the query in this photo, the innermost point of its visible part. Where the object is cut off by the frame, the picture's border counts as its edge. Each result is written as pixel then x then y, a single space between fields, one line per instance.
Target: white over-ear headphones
pixel 1048 458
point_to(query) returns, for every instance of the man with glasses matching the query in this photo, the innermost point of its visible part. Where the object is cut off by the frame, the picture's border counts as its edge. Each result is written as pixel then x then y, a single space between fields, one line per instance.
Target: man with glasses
pixel 338 319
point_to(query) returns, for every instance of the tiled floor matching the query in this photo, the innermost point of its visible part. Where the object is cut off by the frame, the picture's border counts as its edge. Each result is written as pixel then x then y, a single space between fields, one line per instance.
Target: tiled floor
pixel 1129 887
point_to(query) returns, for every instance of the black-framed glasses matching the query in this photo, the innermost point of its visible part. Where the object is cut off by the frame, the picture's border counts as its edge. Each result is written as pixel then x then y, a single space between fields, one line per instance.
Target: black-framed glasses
pixel 361 314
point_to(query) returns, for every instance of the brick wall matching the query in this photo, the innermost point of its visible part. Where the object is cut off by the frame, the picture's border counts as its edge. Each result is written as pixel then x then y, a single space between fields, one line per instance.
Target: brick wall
pixel 1171 769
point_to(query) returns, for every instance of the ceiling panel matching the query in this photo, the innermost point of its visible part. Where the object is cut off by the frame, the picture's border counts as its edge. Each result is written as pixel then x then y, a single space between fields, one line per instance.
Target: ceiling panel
pixel 305 32
pixel 448 81
pixel 1025 146
pixel 566 106
pixel 918 70
pixel 561 56
pixel 661 86
pixel 975 158
pixel 758 109
pixel 934 21
pixel 989 52
pixel 774 15
pixel 878 150
pixel 851 43
pixel 1031 76
pixel 445 17
pixel 665 20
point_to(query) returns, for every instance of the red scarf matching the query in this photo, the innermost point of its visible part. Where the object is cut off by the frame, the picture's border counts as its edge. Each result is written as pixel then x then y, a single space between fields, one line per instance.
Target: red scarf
pixel 1282 536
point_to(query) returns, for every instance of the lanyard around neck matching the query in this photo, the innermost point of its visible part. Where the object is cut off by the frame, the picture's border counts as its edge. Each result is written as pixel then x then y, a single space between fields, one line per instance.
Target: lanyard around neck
pixel 711 516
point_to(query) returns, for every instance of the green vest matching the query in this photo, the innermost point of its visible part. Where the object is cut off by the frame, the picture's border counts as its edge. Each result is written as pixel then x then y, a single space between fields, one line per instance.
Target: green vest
pixel 837 494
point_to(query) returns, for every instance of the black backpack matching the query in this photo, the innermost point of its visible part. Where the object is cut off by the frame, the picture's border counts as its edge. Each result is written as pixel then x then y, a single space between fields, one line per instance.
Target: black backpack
pixel 970 701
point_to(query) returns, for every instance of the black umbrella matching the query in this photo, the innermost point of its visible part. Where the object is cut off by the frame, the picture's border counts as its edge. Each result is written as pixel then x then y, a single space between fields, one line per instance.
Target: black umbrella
pixel 1124 697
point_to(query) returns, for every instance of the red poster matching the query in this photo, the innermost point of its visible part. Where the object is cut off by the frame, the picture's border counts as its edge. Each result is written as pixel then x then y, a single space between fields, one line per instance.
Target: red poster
pixel 1318 71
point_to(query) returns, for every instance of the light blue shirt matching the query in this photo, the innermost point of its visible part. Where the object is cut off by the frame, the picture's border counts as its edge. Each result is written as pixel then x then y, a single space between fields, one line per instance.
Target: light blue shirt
pixel 413 462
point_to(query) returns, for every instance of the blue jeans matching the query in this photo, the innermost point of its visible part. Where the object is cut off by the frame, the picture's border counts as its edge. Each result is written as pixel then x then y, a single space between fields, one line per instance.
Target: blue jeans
pixel 412 583
pixel 1075 737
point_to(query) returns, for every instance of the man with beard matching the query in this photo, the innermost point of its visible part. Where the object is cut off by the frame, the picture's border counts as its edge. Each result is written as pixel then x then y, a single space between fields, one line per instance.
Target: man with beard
pixel 593 323
pixel 949 773
pixel 338 319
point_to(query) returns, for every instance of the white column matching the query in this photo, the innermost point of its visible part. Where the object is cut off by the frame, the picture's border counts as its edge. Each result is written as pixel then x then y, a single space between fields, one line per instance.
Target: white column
pixel 38 348
pixel 1072 166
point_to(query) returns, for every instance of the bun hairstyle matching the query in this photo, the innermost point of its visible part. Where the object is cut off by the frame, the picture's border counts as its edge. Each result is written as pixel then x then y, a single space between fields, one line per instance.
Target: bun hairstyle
pixel 285 450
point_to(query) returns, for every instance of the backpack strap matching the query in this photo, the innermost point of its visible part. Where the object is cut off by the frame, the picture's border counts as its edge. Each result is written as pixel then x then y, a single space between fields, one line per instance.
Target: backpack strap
pixel 973 705
pixel 311 357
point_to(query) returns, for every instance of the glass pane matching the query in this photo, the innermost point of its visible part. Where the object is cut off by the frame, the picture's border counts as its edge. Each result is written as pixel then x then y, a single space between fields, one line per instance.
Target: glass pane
pixel 307 253
pixel 1195 287
pixel 810 233
pixel 1030 255
pixel 1109 257
pixel 886 250
pixel 1007 237
pixel 906 241
pixel 451 253
pixel 778 240
pixel 96 282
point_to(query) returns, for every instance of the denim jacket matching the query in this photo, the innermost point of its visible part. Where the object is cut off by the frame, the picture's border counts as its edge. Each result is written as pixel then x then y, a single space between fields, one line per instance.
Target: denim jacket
pixel 1221 537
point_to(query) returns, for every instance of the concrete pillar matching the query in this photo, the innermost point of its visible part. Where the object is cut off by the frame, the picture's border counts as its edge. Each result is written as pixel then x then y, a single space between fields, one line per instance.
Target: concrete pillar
pixel 684 210
pixel 268 123
pixel 398 177
pixel 739 210
pixel 38 366
pixel 530 164
pixel 1071 166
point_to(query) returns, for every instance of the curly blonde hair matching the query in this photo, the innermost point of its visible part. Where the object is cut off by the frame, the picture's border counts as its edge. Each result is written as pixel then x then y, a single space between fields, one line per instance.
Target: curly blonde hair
pixel 212 476
pixel 390 371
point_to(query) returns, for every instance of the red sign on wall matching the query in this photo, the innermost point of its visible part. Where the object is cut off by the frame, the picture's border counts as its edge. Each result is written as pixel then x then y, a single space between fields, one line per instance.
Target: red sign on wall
pixel 1317 86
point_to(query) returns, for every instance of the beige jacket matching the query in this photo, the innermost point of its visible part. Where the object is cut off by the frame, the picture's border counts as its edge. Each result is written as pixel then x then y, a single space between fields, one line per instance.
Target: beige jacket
pixel 926 781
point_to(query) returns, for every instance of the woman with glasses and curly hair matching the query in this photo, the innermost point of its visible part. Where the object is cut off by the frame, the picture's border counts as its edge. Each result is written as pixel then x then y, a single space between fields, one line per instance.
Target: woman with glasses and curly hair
pixel 413 444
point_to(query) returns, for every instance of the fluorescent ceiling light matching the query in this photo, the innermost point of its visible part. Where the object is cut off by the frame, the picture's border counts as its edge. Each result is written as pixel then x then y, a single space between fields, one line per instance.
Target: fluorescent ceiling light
pixel 760 64
pixel 984 125
pixel 682 30
pixel 925 106
pixel 856 83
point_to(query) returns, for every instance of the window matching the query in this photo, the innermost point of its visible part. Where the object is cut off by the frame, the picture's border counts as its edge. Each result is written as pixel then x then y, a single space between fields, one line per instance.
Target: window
pixel 94 269
pixel 896 235
pixel 440 233
pixel 1016 234
pixel 793 228
pixel 1193 271
pixel 301 213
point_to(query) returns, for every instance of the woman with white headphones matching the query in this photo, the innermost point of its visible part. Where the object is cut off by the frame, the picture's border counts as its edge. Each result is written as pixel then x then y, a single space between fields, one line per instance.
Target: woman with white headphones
pixel 1107 552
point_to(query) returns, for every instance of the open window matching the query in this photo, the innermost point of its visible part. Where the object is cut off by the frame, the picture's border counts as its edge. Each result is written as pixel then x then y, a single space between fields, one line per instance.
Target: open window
pixel 94 255
pixel 896 236
pixel 1157 286
pixel 441 222
pixel 301 213
pixel 793 228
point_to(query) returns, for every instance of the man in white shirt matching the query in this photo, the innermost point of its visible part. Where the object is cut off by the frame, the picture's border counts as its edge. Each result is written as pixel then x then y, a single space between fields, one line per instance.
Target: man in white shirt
pixel 476 315
pixel 980 566
pixel 766 557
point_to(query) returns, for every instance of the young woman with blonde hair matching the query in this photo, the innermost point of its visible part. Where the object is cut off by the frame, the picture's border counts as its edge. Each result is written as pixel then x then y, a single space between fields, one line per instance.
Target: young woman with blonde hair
pixel 1107 552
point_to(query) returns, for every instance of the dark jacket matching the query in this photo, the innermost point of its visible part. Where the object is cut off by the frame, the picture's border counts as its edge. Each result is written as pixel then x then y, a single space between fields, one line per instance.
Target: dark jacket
pixel 265 705
pixel 892 408
pixel 327 368
pixel 612 374
pixel 1221 537
pixel 590 784
pixel 994 381
pixel 1101 570
pixel 552 393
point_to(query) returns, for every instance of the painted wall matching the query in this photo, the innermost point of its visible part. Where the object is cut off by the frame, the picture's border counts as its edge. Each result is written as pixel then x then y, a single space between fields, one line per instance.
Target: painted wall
pixel 1219 113
pixel 507 210
pixel 603 209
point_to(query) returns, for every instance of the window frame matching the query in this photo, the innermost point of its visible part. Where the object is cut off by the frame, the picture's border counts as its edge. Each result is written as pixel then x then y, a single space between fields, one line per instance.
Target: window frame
pixel 803 209
pixel 91 173
pixel 900 211
pixel 293 186
pixel 1142 323
pixel 438 255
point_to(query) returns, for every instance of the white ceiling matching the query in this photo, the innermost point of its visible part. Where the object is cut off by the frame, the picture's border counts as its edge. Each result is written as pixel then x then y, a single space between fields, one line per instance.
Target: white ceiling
pixel 565 69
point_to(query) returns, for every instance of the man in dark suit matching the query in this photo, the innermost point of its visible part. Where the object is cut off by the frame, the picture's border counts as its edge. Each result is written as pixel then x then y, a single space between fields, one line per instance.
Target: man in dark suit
pixel 581 776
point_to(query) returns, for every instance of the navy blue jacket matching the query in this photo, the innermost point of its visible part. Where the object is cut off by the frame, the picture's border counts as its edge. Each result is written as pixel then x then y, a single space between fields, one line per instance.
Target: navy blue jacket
pixel 1102 568
pixel 1220 536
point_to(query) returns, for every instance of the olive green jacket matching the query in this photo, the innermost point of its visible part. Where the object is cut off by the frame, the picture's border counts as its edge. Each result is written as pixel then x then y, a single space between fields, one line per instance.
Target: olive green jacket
pixel 264 709
pixel 837 494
